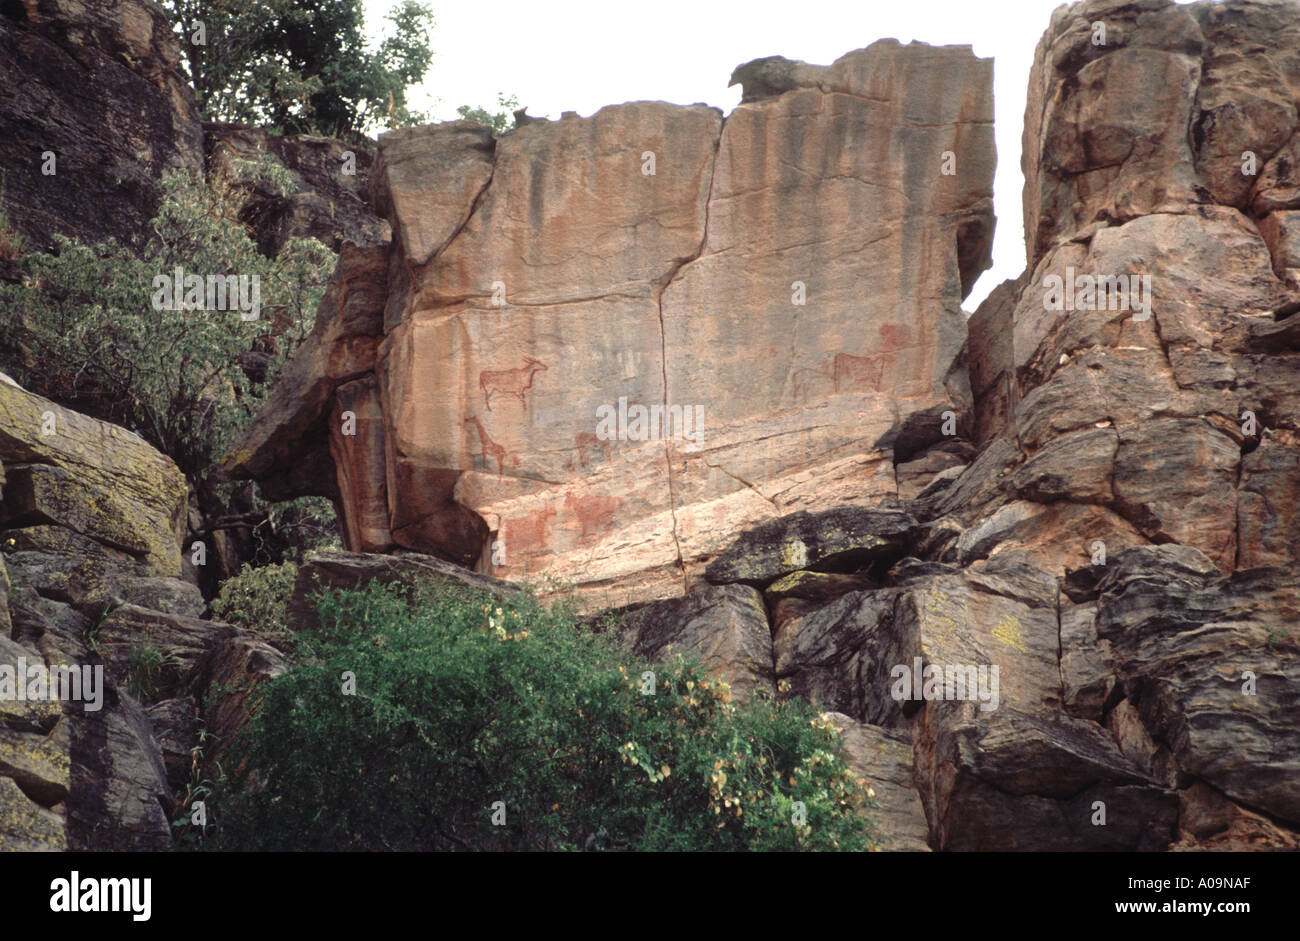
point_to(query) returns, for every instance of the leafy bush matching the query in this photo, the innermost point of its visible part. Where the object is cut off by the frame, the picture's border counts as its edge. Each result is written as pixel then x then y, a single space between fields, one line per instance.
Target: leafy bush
pixel 83 329
pixel 257 598
pixel 463 700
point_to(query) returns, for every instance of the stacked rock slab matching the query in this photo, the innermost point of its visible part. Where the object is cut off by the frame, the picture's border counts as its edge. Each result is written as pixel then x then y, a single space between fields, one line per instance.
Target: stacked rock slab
pixel 1141 455
pixel 1178 423
pixel 787 281
pixel 1124 545
pixel 90 522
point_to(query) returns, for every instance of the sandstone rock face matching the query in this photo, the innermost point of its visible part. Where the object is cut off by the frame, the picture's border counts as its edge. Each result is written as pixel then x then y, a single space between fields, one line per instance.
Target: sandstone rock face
pixel 1040 572
pixel 783 286
pixel 99 85
pixel 90 520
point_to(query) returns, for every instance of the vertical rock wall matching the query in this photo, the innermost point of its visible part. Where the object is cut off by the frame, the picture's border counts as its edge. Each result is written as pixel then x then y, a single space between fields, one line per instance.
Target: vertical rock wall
pixel 787 281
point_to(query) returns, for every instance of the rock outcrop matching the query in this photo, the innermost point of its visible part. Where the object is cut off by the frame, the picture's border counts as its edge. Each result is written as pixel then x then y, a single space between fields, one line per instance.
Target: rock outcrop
pixel 90 524
pixel 94 108
pixel 783 286
pixel 1039 567
pixel 1081 511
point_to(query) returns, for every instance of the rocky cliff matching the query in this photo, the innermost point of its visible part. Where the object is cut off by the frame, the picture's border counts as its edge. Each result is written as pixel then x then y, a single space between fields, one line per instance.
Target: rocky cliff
pixel 1038 565
pixel 784 286
pixel 90 519
pixel 1089 493
pixel 93 93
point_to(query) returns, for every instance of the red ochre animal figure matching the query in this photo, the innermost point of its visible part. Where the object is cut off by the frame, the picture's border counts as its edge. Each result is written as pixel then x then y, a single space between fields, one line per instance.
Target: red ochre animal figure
pixel 509 381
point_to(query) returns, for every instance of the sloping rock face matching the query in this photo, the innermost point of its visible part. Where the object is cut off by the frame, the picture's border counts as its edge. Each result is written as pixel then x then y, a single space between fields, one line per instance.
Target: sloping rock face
pixel 783 286
pixel 90 522
pixel 97 84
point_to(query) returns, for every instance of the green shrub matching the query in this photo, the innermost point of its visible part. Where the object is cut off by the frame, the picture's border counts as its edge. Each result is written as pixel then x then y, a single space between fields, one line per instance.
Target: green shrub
pixel 257 598
pixel 463 700
pixel 83 330
pixel 501 120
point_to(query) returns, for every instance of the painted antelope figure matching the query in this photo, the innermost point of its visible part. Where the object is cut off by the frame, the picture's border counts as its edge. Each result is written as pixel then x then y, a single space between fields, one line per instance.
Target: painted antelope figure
pixel 509 381
pixel 488 447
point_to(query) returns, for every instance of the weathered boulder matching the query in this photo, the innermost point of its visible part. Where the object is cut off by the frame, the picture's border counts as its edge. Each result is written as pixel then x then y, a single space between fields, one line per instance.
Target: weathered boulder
pixel 842 539
pixel 325 571
pixel 724 626
pixel 883 758
pixel 66 472
pixel 1213 666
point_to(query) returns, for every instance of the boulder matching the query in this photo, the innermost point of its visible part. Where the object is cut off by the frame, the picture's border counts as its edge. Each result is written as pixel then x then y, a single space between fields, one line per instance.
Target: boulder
pixel 724 626
pixel 883 758
pixel 844 539
pixel 325 571
pixel 90 477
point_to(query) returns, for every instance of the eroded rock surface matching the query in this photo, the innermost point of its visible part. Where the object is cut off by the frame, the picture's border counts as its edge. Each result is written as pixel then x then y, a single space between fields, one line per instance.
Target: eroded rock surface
pixel 98 86
pixel 90 524
pixel 784 285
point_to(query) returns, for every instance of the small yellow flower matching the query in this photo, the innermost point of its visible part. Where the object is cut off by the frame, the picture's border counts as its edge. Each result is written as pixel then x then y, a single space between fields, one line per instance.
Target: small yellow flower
pixel 665 771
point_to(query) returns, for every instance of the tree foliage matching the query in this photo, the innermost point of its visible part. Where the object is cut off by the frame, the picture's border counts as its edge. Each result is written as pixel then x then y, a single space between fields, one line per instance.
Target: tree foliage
pixel 302 66
pixel 501 120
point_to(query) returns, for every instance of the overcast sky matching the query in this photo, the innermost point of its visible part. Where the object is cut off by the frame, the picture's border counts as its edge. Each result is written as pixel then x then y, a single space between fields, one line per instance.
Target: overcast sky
pixel 564 55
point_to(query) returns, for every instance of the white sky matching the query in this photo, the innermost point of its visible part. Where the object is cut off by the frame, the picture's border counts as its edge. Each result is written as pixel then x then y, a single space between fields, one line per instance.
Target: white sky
pixel 569 55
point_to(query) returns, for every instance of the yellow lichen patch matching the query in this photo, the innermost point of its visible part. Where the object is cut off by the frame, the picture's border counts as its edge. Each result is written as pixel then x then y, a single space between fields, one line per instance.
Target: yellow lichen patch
pixel 1008 631
pixel 36 762
pixel 25 825
pixel 938 623
pixel 97 478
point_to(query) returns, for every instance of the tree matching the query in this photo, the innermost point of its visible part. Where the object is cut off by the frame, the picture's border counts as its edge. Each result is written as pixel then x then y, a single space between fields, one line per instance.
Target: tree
pixel 500 121
pixel 539 732
pixel 302 66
